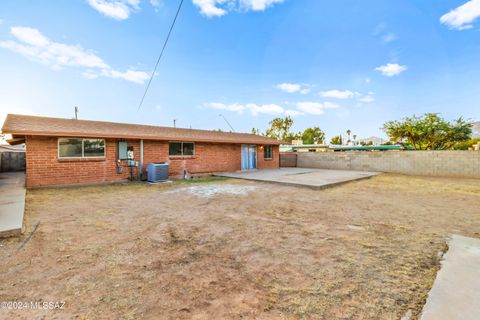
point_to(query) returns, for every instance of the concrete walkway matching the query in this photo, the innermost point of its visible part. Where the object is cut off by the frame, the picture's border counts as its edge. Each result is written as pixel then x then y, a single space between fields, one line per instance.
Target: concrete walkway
pixel 312 178
pixel 12 203
pixel 456 291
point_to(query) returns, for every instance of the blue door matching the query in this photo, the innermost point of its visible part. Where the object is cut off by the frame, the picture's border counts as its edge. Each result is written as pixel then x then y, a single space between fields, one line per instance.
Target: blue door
pixel 249 157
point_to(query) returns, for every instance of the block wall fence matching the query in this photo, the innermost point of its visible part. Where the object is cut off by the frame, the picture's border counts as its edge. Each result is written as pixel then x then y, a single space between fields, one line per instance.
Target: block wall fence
pixel 465 164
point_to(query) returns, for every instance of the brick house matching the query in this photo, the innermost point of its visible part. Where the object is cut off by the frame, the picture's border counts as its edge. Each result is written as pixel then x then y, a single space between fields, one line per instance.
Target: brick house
pixel 69 151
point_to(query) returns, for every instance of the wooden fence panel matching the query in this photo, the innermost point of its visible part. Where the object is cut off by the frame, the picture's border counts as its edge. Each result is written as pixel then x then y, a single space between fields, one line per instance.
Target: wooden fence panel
pixel 288 159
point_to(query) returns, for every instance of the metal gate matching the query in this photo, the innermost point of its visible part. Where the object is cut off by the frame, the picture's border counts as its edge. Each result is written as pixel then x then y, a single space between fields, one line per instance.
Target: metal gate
pixel 12 161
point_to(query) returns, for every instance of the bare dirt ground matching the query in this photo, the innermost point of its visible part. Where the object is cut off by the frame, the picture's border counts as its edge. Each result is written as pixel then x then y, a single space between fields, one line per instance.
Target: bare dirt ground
pixel 234 249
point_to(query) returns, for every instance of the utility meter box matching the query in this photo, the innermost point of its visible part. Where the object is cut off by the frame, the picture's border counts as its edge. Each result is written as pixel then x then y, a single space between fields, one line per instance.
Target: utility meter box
pixel 122 150
pixel 130 153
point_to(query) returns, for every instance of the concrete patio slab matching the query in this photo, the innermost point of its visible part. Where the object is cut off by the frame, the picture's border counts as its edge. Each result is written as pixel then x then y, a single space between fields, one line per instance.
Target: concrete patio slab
pixel 456 291
pixel 12 203
pixel 305 177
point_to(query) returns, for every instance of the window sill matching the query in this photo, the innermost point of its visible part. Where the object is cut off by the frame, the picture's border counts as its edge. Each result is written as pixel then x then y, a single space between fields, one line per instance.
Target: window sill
pixel 267 159
pixel 81 159
pixel 181 157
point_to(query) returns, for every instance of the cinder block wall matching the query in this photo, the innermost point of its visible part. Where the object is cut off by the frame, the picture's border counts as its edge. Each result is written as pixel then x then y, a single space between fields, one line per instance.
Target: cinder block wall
pixel 430 163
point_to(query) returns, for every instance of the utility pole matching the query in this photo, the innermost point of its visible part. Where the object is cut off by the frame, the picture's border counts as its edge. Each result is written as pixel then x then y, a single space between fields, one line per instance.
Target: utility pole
pixel 76 113
pixel 221 115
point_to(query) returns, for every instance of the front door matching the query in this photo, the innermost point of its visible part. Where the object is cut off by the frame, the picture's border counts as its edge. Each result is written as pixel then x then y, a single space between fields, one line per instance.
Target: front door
pixel 249 156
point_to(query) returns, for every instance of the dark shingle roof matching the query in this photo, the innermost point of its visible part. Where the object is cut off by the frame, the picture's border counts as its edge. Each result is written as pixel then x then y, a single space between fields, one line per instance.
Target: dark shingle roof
pixel 22 125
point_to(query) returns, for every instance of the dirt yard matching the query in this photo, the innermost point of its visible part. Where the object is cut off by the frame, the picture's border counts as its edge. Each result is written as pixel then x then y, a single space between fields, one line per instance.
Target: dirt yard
pixel 231 249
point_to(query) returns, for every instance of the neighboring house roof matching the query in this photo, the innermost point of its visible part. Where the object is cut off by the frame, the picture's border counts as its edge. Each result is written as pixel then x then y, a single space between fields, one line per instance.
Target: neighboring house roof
pixel 9 148
pixel 305 146
pixel 22 125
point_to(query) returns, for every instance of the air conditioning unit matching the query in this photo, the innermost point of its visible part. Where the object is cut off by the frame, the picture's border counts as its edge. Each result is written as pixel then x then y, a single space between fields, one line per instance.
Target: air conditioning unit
pixel 157 171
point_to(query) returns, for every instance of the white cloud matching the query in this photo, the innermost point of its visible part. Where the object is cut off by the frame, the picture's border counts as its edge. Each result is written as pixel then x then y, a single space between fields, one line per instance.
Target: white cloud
pixel 305 91
pixel 347 94
pixel 218 8
pixel 462 17
pixel 293 113
pixel 33 45
pixel 258 5
pixel 391 69
pixel 210 8
pixel 306 107
pixel 289 87
pixel 389 37
pixel 294 87
pixel 367 99
pixel 234 107
pixel 156 4
pixel 30 36
pixel 253 108
pixel 315 108
pixel 338 94
pixel 265 109
pixel 381 32
pixel 130 75
pixel 116 9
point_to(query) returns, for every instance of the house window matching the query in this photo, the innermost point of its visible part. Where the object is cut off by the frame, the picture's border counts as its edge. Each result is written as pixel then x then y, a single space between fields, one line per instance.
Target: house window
pixel 267 152
pixel 181 149
pixel 81 148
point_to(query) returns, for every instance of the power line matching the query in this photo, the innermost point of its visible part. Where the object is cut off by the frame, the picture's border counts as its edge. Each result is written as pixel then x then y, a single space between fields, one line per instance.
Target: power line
pixel 161 54
pixel 221 115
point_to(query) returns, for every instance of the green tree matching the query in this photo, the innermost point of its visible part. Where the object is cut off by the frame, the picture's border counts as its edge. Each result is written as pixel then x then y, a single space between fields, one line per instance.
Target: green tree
pixel 465 145
pixel 366 143
pixel 313 135
pixel 336 140
pixel 294 136
pixel 428 132
pixel 280 129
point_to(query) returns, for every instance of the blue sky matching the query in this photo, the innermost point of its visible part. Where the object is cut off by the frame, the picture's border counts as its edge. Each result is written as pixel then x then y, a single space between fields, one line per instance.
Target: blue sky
pixel 334 64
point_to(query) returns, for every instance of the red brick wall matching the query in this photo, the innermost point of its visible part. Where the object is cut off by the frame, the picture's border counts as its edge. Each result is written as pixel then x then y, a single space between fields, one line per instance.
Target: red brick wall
pixel 45 169
pixel 209 157
pixel 273 163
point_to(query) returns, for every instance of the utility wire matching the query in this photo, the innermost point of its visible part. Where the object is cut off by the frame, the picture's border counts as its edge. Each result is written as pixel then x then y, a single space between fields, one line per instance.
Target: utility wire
pixel 160 56
pixel 221 115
